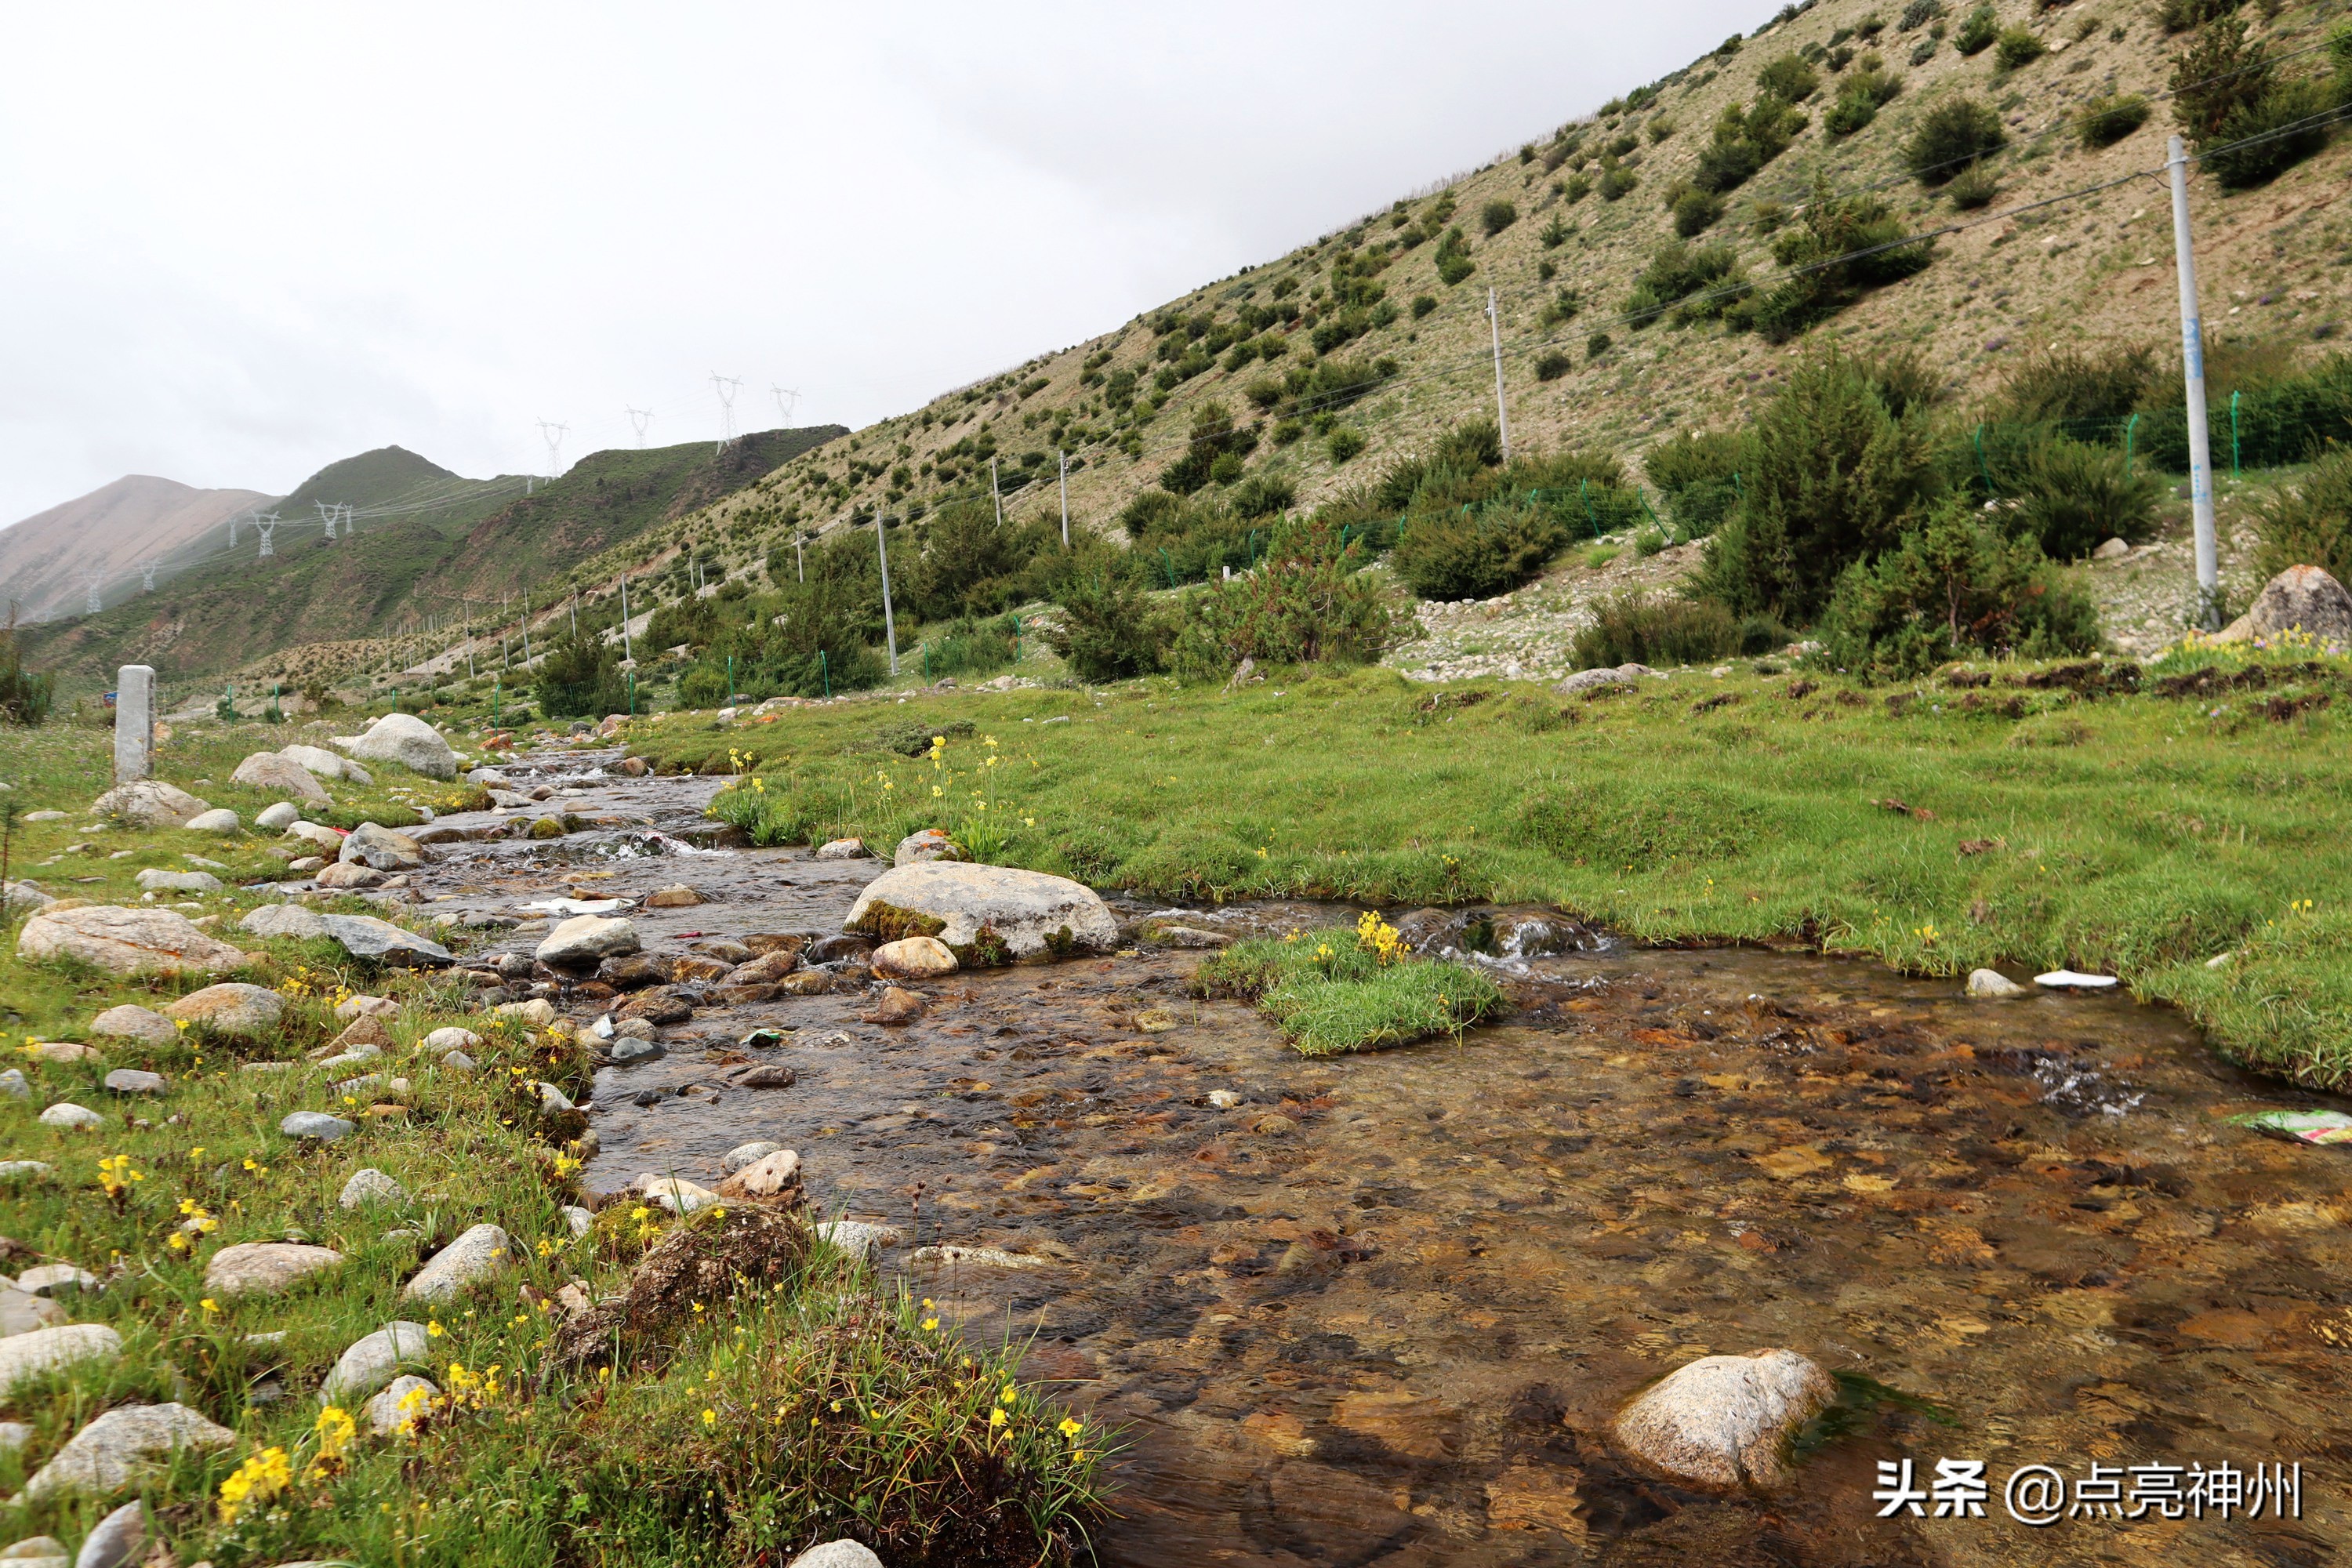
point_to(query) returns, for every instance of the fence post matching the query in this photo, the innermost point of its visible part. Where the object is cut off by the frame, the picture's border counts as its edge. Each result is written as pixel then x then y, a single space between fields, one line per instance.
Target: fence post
pixel 1982 468
pixel 632 694
pixel 498 702
pixel 2233 433
pixel 1170 563
pixel 2131 429
pixel 731 680
pixel 1584 494
pixel 825 669
pixel 1016 639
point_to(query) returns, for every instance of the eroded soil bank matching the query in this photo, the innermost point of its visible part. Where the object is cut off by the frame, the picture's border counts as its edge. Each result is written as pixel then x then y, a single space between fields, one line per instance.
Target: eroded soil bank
pixel 1381 1309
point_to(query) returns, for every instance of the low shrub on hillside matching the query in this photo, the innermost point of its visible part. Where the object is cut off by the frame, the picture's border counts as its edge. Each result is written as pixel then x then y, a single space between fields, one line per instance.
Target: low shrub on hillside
pixel 1497 215
pixel 1953 587
pixel 1843 245
pixel 2109 118
pixel 1699 476
pixel 1551 364
pixel 1859 100
pixel 1789 78
pixel 1106 630
pixel 1694 281
pixel 1696 211
pixel 2070 386
pixel 2308 521
pixel 1307 601
pixel 1476 551
pixel 1951 136
pixel 25 695
pixel 2251 124
pixel 1978 31
pixel 1643 628
pixel 971 562
pixel 2018 48
pixel 2074 497
pixel 580 678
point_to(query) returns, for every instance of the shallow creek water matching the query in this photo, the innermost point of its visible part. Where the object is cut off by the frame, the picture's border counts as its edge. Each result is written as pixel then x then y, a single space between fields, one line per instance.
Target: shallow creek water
pixel 1383 1310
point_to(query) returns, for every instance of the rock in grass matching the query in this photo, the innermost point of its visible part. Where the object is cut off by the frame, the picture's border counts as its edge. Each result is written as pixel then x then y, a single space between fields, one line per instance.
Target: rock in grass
pixel 57 1279
pixel 317 760
pixel 373 1360
pixel 274 818
pixel 21 1312
pixel 405 739
pixel 113 1451
pixel 156 880
pixel 744 1154
pixel 130 1022
pixel 289 920
pixel 266 1268
pixel 1991 985
pixel 239 1011
pixel 392 1413
pixel 842 1553
pixel 451 1038
pixel 381 941
pixel 149 803
pixel 35 1354
pixel 279 774
pixel 583 940
pixel 36 1551
pixel 919 848
pixel 125 940
pixel 675 1194
pixel 2301 599
pixel 13 1170
pixel 319 1125
pixel 119 1540
pixel 914 958
pixel 1724 1421
pixel 859 1238
pixel 776 1176
pixel 481 1252
pixel 842 849
pixel 219 820
pixel 72 1117
pixel 130 1080
pixel 370 1186
pixel 13 1084
pixel 1586 680
pixel 379 849
pixel 538 1013
pixel 328 841
pixel 1027 913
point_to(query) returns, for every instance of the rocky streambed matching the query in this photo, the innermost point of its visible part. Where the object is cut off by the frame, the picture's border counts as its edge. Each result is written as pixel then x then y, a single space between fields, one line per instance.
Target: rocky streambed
pixel 1384 1308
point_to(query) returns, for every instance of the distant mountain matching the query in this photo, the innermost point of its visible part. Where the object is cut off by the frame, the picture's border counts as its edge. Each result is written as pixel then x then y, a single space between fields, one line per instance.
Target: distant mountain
pixel 109 530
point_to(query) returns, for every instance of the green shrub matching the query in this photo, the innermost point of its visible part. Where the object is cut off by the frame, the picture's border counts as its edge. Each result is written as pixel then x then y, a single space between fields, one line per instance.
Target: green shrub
pixel 1953 587
pixel 26 697
pixel 1696 211
pixel 1643 628
pixel 580 678
pixel 2109 118
pixel 971 562
pixel 1559 310
pixel 1551 364
pixel 1744 142
pixel 1306 601
pixel 1423 304
pixel 2180 15
pixel 1951 136
pixel 1843 245
pixel 2067 385
pixel 1337 990
pixel 1788 78
pixel 1475 553
pixel 2077 496
pixel 1859 100
pixel 1616 180
pixel 1213 437
pixel 1828 474
pixel 1677 272
pixel 1596 346
pixel 1699 475
pixel 1973 189
pixel 1977 30
pixel 1453 263
pixel 2019 47
pixel 1344 442
pixel 2260 141
pixel 1497 215
pixel 2308 523
pixel 968 647
pixel 1575 190
pixel 1261 495
pixel 1107 631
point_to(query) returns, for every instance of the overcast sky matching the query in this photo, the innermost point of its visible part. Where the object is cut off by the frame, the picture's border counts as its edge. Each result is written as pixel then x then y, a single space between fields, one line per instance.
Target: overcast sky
pixel 237 242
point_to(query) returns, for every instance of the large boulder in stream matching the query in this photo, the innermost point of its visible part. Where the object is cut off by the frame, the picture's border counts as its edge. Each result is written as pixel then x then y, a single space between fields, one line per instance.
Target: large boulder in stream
pixel 2300 599
pixel 1725 1421
pixel 405 739
pixel 1024 913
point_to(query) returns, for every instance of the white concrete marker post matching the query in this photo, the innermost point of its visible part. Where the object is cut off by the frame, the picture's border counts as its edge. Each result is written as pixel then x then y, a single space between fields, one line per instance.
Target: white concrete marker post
pixel 134 723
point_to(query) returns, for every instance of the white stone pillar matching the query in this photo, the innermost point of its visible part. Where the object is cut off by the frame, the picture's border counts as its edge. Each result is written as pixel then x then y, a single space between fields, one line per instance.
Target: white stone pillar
pixel 134 723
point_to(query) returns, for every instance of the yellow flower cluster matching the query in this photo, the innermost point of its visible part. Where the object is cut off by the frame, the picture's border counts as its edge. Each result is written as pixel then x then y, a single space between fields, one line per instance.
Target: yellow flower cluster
pixel 115 1174
pixel 1379 939
pixel 260 1478
pixel 335 1429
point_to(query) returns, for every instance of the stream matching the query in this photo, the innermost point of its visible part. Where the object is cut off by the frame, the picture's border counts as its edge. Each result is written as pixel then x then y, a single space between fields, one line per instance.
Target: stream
pixel 1381 1309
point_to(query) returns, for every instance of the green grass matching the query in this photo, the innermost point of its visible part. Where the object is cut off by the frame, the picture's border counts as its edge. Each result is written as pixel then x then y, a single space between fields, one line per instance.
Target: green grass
pixel 893 1434
pixel 2139 835
pixel 1330 991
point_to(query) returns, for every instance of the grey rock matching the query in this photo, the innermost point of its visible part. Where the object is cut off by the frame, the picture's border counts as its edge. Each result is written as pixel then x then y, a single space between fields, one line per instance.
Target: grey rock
pixel 1030 911
pixel 13 1170
pixel 380 848
pixel 1724 1421
pixel 54 1279
pixel 14 1435
pixel 73 1118
pixel 1991 985
pixel 240 1011
pixel 15 896
pixel 1592 680
pixel 578 1220
pixel 317 760
pixel 744 1154
pixel 553 1100
pixel 317 1124
pixel 289 920
pixel 630 1049
pixel 859 1238
pixel 383 1413
pixel 14 1082
pixel 113 1451
pixel 279 774
pixel 842 1553
pixel 152 881
pixel 44 1351
pixel 407 739
pixel 274 818
pixel 365 936
pixel 930 844
pixel 118 1540
pixel 130 1080
pixel 481 1252
pixel 2301 599
pixel 149 803
pixel 266 1268
pixel 458 1061
pixel 126 941
pixel 373 1360
pixel 21 1312
pixel 2112 549
pixel 842 849
pixel 36 1551
pixel 219 820
pixel 488 778
pixel 328 840
pixel 583 940
pixel 370 1186
pixel 130 1022
pixel 451 1038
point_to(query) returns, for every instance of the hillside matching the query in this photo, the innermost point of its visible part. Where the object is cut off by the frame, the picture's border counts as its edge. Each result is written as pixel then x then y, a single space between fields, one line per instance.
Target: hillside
pixel 109 530
pixel 423 547
pixel 1361 334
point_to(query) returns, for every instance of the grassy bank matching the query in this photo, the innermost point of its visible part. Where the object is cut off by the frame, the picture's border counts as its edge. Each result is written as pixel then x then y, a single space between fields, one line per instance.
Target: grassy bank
pixel 2092 816
pixel 797 1402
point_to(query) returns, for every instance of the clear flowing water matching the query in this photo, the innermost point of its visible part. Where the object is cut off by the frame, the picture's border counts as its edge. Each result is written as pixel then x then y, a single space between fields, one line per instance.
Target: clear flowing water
pixel 1382 1309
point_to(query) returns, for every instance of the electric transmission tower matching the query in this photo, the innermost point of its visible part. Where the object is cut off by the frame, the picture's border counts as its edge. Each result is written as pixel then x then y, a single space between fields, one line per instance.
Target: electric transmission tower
pixel 331 514
pixel 265 526
pixel 641 418
pixel 786 400
pixel 728 386
pixel 232 529
pixel 92 577
pixel 553 436
pixel 147 574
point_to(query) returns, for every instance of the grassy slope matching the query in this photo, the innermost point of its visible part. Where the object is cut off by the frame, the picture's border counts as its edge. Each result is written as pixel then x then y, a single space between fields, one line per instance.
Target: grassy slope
pixel 2155 833
pixel 551 1464
pixel 2274 263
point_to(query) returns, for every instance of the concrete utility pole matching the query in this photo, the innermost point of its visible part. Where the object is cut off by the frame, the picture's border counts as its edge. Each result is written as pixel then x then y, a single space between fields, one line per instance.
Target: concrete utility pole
pixel 627 652
pixel 526 628
pixel 134 723
pixel 2192 369
pixel 994 494
pixel 800 561
pixel 1495 330
pixel 889 626
pixel 1065 499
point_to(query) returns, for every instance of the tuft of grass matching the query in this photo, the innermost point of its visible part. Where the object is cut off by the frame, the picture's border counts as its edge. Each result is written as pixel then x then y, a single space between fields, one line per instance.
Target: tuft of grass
pixel 1341 990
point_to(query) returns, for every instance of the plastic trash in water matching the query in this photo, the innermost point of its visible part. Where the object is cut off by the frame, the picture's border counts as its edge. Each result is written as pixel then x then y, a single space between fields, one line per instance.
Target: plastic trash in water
pixel 766 1036
pixel 603 1027
pixel 579 906
pixel 2301 1126
pixel 2067 980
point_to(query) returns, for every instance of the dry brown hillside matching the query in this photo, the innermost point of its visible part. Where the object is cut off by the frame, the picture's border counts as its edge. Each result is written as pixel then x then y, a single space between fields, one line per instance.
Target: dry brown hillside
pixel 109 530
pixel 2093 271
